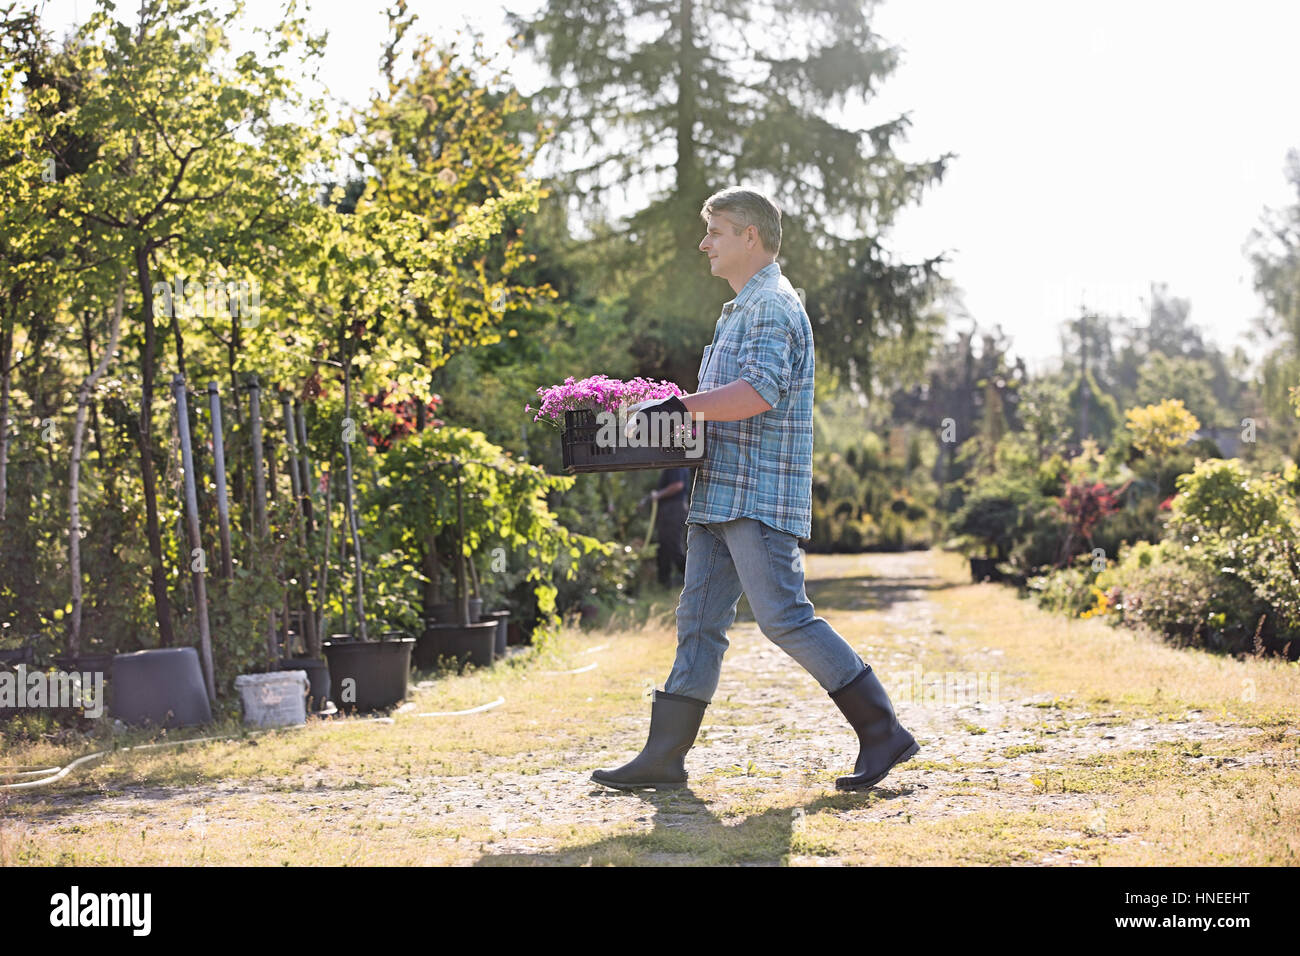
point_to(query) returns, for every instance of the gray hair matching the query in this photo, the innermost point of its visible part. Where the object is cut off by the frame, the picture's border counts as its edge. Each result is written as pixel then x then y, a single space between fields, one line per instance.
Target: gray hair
pixel 748 207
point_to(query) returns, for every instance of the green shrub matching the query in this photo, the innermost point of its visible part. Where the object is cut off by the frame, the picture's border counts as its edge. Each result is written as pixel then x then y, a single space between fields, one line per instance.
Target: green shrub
pixel 996 514
pixel 1067 590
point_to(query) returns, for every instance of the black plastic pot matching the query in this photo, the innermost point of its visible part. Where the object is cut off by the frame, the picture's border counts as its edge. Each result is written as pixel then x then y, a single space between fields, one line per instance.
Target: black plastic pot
pixel 161 687
pixel 503 629
pixel 516 634
pixel 448 613
pixel 87 662
pixel 456 645
pixel 368 675
pixel 984 569
pixel 18 655
pixel 318 672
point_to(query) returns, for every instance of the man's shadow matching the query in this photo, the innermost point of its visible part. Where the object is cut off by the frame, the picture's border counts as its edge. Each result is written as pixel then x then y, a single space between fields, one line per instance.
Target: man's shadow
pixel 687 832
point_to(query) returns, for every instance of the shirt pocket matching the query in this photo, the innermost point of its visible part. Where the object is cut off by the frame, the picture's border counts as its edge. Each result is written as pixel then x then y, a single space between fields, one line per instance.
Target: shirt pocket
pixel 704 364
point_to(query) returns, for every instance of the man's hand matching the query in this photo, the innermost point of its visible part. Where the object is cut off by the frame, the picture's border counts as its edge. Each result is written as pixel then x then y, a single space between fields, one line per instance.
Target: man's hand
pixel 673 404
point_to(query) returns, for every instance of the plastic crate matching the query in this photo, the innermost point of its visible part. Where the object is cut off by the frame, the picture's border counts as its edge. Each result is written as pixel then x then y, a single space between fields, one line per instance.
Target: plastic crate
pixel 582 452
pixel 274 699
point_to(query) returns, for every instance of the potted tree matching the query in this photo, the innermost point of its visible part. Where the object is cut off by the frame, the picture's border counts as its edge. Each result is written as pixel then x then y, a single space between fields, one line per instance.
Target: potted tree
pixel 989 522
pixel 454 480
pixel 364 675
pixel 463 639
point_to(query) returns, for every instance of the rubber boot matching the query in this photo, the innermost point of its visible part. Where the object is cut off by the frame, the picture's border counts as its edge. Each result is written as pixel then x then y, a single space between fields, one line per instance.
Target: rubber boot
pixel 883 741
pixel 674 722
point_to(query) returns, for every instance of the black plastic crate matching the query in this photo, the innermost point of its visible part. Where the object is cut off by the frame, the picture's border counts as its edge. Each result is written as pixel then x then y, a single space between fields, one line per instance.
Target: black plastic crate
pixel 583 454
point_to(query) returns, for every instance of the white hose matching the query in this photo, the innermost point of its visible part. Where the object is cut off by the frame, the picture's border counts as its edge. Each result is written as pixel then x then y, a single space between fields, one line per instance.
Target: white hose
pixel 457 713
pixel 58 773
pixel 590 667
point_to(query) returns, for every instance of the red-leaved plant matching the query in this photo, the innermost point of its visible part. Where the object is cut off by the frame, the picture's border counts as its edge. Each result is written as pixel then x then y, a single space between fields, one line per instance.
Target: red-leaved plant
pixel 1084 505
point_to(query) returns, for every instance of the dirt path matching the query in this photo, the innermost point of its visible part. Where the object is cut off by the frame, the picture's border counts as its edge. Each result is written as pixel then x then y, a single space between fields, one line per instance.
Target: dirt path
pixel 1005 774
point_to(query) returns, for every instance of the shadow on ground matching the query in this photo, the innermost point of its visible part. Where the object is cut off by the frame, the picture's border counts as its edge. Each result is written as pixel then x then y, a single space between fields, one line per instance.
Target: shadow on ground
pixel 686 831
pixel 861 593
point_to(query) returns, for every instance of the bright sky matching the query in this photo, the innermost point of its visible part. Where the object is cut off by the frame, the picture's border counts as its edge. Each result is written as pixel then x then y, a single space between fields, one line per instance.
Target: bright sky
pixel 1102 145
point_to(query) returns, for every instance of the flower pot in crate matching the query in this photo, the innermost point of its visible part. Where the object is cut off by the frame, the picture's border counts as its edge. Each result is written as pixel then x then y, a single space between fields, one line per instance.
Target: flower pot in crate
pixel 456 645
pixel 368 675
pixel 591 443
pixel 318 672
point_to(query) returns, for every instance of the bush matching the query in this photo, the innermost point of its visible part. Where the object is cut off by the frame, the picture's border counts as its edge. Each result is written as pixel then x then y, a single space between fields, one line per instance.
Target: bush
pixel 1068 590
pixel 1178 591
pixel 996 514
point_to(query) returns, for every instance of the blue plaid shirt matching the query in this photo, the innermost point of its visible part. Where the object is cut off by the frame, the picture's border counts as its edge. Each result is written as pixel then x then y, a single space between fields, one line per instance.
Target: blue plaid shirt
pixel 761 467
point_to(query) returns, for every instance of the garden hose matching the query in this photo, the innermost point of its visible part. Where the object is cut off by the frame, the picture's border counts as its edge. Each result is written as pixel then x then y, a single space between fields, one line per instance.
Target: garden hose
pixel 58 773
pixel 457 713
pixel 654 506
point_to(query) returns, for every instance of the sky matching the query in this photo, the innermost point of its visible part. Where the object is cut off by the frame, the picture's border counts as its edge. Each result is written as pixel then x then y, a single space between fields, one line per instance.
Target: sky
pixel 1101 145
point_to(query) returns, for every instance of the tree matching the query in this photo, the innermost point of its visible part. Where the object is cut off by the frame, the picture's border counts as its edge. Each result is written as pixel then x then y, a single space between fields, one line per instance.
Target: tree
pixel 1160 430
pixel 1275 255
pixel 1045 412
pixel 1189 380
pixel 438 143
pixel 678 99
pixel 174 175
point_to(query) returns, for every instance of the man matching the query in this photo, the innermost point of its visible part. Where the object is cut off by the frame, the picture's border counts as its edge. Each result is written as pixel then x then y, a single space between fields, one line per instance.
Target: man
pixel 750 504
pixel 673 496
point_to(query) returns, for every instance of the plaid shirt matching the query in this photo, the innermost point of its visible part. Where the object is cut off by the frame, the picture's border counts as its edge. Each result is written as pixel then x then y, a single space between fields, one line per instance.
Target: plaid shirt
pixel 761 467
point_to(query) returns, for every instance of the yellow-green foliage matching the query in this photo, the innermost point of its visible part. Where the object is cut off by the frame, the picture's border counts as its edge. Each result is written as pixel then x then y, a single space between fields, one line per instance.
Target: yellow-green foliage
pixel 1160 429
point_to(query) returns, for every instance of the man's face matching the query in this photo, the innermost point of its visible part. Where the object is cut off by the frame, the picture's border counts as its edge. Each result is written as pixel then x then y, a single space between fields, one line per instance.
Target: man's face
pixel 727 252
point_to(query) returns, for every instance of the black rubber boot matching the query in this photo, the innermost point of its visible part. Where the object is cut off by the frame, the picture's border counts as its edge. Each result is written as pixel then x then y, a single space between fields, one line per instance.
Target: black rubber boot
pixel 661 765
pixel 884 742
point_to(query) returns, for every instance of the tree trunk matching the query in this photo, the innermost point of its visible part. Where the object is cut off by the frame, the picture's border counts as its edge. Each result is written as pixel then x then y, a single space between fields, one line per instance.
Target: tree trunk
pixel 6 374
pixel 431 570
pixel 74 472
pixel 162 605
pixel 687 172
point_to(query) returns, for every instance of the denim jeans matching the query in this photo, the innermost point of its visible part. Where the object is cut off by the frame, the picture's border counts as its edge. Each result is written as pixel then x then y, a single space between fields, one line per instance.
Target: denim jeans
pixel 744 554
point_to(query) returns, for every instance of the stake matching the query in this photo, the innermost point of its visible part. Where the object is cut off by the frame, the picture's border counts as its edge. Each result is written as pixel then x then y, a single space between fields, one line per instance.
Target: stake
pixel 192 511
pixel 308 488
pixel 259 472
pixel 259 498
pixel 219 467
pixel 308 634
pixel 352 511
pixel 462 587
pixel 325 561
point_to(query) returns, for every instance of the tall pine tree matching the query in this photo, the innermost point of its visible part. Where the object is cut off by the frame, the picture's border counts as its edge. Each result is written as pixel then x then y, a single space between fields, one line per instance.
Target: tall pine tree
pixel 678 98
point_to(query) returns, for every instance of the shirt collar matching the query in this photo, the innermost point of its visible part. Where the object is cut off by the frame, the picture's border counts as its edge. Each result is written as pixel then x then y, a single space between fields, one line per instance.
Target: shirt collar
pixel 748 289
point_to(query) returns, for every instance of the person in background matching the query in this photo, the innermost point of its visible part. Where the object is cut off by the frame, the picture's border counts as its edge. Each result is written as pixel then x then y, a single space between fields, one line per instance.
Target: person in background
pixel 673 494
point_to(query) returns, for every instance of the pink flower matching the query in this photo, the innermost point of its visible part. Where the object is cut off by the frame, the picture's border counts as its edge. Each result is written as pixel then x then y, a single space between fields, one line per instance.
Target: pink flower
pixel 597 393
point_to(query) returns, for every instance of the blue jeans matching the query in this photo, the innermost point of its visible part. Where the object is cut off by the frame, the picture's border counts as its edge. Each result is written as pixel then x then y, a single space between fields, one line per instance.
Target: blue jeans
pixel 744 554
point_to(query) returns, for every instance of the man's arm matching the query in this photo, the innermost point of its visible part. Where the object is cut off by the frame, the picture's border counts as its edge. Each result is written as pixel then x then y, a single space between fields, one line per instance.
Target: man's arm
pixel 667 491
pixel 730 403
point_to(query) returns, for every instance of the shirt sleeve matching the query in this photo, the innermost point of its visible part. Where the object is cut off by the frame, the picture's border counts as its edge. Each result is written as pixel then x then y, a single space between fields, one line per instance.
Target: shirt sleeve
pixel 767 353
